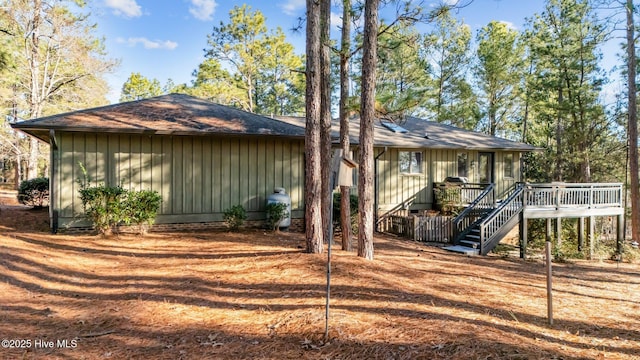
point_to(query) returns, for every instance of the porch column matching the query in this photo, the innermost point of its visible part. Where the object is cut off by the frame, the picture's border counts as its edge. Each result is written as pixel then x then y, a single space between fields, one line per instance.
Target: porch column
pixel 523 236
pixel 580 233
pixel 620 234
pixel 558 231
pixel 592 225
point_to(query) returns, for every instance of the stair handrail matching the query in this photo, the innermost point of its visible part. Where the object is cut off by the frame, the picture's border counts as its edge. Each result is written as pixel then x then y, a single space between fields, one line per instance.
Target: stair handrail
pixel 504 212
pixel 400 207
pixel 463 221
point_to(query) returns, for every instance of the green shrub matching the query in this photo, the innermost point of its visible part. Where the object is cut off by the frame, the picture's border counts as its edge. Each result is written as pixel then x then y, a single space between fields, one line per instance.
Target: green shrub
pixel 630 253
pixel 353 207
pixel 448 199
pixel 140 208
pixel 234 217
pixel 108 206
pixel 276 212
pixel 34 192
pixel 103 206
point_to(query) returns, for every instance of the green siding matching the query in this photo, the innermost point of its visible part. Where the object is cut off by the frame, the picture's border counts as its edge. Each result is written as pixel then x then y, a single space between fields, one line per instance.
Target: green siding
pixel 394 188
pixel 198 177
pixel 503 183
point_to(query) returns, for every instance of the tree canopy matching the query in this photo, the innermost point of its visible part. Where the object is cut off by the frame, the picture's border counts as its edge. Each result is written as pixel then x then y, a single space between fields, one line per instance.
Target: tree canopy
pixel 57 64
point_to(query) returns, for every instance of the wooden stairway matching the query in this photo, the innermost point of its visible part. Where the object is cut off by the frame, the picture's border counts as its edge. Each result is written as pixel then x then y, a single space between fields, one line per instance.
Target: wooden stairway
pixel 488 227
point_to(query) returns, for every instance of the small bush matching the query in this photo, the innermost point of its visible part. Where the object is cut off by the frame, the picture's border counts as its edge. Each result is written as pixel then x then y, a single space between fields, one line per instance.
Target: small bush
pixel 103 206
pixel 109 206
pixel 448 199
pixel 276 212
pixel 353 205
pixel 630 253
pixel 34 192
pixel 140 208
pixel 234 217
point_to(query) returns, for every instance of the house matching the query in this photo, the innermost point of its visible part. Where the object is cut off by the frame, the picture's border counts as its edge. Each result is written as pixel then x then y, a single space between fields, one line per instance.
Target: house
pixel 202 158
pixel 413 155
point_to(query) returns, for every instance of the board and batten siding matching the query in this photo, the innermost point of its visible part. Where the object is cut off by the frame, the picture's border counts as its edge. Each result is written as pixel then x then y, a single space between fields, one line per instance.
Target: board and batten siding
pixel 502 182
pixel 394 188
pixel 197 177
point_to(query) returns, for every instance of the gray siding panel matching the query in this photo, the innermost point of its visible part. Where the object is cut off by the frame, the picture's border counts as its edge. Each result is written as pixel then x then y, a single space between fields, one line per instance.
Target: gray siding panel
pixel 207 177
pixel 198 178
pixel 177 188
pixel 394 187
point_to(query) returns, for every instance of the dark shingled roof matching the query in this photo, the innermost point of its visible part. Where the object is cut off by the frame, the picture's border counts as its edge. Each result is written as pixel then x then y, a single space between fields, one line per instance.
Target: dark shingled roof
pixel 178 114
pixel 424 134
pixel 173 114
pixel 462 138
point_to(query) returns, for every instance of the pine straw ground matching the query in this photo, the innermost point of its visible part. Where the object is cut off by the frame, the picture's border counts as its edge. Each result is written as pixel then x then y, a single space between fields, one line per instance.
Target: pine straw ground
pixel 256 295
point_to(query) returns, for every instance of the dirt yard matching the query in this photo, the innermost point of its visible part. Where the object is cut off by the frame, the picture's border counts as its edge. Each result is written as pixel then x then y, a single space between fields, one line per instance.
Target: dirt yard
pixel 256 295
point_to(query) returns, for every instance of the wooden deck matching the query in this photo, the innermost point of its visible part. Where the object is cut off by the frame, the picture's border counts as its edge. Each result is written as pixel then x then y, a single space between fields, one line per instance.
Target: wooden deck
pixel 567 200
pixel 489 217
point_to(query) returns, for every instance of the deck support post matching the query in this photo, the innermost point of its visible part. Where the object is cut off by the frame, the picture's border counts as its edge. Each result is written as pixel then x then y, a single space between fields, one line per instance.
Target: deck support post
pixel 558 232
pixel 592 225
pixel 549 269
pixel 548 233
pixel 580 234
pixel 523 236
pixel 620 235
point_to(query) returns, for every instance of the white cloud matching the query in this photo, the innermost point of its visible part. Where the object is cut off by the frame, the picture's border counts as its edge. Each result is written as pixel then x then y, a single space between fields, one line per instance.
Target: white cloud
pixel 291 7
pixel 126 8
pixel 149 44
pixel 203 9
pixel 509 24
pixel 445 3
pixel 336 20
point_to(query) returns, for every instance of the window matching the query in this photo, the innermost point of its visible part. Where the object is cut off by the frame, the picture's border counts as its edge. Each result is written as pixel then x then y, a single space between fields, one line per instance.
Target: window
pixel 508 165
pixel 462 164
pixel 410 162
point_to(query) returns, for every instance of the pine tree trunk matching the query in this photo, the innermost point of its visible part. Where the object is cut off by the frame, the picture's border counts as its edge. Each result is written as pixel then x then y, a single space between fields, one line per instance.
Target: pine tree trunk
pixel 367 114
pixel 313 181
pixel 34 95
pixel 325 117
pixel 633 124
pixel 18 172
pixel 559 134
pixel 34 155
pixel 345 192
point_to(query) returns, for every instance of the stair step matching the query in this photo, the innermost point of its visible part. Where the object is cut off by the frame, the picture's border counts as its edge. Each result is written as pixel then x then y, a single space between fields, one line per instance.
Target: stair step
pixel 470 243
pixel 462 250
pixel 472 237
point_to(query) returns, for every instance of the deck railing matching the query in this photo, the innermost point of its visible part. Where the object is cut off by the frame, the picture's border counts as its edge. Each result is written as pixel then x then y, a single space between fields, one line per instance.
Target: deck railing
pixel 421 228
pixel 386 220
pixel 500 216
pixel 483 202
pixel 491 218
pixel 566 195
pixel 459 193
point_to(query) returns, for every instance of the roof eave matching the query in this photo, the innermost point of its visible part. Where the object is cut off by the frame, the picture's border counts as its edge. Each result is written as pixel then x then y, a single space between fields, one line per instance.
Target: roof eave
pixel 37 131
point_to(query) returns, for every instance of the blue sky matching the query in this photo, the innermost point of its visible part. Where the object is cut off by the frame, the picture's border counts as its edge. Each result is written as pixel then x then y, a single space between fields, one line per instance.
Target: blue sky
pixel 165 39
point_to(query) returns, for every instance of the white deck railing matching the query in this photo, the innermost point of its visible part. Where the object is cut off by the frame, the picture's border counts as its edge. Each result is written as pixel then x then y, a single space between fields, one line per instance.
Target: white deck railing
pixel 566 195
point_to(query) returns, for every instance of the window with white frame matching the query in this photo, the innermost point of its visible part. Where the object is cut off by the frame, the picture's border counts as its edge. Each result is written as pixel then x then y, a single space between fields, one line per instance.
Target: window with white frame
pixel 508 165
pixel 410 162
pixel 462 165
